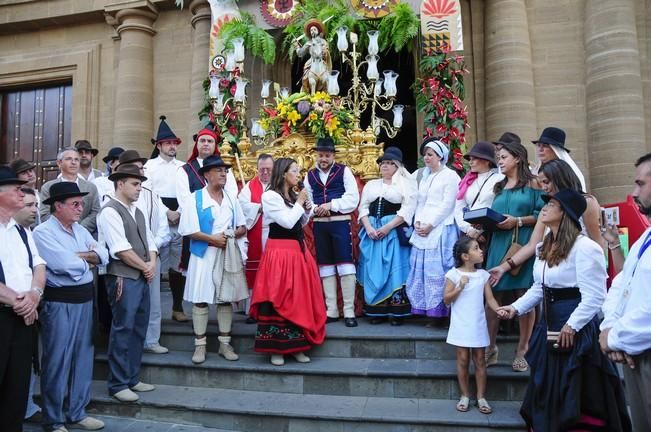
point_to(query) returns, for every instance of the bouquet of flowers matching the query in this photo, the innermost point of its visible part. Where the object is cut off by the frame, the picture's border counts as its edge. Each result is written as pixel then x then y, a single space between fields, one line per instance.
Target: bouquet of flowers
pixel 320 114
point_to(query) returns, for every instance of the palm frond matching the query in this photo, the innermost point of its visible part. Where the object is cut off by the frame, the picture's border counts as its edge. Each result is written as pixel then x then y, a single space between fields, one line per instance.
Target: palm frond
pixel 257 41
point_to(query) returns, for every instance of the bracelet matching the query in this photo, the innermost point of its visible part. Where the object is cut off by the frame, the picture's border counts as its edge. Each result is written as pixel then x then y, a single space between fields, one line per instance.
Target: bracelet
pixel 520 223
pixel 615 246
pixel 511 264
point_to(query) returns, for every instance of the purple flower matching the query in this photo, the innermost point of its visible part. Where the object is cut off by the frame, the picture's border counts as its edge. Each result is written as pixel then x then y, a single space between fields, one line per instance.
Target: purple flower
pixel 303 107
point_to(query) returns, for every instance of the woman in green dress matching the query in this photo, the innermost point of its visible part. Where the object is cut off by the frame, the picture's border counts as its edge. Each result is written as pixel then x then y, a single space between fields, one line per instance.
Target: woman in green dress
pixel 519 199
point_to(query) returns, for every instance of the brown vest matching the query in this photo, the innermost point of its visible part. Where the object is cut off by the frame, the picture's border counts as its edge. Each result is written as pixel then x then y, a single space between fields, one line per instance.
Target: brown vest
pixel 136 233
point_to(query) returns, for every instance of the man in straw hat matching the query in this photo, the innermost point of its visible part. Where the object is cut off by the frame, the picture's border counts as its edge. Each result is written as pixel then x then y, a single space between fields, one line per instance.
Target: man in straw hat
pixel 334 192
pixel 67 310
pixel 22 277
pixel 131 267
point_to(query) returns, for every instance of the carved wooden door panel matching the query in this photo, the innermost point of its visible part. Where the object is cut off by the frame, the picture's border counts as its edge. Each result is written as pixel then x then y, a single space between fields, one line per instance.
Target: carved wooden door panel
pixel 35 124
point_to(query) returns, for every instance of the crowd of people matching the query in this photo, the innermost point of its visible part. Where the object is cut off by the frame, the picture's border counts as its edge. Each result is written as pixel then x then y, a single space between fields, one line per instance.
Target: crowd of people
pixel 99 241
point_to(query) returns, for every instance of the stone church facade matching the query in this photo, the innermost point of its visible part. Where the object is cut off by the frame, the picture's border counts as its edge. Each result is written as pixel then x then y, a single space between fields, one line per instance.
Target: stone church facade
pixel 105 70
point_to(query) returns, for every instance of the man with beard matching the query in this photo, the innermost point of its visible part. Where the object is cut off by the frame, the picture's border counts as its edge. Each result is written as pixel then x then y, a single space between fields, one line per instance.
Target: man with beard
pixel 626 328
pixel 27 172
pixel 161 171
pixel 86 155
pixel 251 201
pixel 333 190
pixel 68 162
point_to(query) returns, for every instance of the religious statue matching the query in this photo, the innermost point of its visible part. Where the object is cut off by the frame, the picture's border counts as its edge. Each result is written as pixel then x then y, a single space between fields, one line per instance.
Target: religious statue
pixel 318 66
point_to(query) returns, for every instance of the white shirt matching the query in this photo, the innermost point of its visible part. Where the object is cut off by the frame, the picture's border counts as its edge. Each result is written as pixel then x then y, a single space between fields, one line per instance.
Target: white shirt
pixel 111 230
pixel 585 268
pixel 94 174
pixel 182 185
pixel 435 205
pixel 486 182
pixel 227 215
pixel 251 210
pixel 162 175
pixel 375 189
pixel 277 211
pixel 105 188
pixel 14 258
pixel 627 310
pixel 348 201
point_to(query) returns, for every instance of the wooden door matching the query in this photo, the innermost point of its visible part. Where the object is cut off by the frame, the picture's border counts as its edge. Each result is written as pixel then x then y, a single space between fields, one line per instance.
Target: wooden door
pixel 35 124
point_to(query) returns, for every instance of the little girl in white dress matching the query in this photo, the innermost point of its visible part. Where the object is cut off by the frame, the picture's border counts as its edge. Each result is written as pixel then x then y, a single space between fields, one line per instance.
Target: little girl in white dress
pixel 466 288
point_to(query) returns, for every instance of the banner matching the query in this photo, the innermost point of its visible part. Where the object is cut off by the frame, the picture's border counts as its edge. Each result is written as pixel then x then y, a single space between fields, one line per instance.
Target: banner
pixel 441 25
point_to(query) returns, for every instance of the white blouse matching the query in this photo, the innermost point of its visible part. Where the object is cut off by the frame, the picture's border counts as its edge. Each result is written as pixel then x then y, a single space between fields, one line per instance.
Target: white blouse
pixel 375 189
pixel 584 268
pixel 275 209
pixel 483 186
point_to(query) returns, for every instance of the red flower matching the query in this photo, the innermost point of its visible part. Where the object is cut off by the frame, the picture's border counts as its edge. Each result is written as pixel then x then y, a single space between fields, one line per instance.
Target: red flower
pixel 454 133
pixel 441 128
pixel 223 83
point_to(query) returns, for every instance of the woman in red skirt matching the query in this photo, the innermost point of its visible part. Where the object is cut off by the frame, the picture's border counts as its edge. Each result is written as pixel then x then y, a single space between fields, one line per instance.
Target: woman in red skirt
pixel 287 298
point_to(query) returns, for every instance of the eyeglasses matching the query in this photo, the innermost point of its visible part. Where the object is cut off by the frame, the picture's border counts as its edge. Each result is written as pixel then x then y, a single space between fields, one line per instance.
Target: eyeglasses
pixel 76 204
pixel 71 159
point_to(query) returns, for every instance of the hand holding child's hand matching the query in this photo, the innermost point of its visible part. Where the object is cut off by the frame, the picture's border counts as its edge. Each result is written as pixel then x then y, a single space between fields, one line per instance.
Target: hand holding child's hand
pixel 506 312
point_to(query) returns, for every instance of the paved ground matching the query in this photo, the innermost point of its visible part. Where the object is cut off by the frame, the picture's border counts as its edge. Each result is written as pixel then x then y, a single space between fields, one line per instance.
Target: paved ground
pixel 114 424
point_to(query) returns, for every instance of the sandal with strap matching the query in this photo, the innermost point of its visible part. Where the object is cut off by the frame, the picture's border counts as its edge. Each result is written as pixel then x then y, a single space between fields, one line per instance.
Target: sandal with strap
pixel 463 404
pixel 483 406
pixel 491 356
pixel 520 364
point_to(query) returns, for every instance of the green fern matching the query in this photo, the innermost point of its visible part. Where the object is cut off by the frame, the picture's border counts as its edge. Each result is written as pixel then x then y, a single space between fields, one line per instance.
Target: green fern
pixel 399 28
pixel 257 41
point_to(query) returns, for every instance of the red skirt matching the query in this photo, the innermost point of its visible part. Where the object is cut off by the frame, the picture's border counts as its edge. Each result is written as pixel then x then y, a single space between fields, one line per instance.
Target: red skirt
pixel 289 280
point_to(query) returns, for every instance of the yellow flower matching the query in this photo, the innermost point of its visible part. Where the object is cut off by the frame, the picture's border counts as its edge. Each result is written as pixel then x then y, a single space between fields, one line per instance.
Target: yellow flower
pixel 293 116
pixel 320 96
pixel 264 123
pixel 331 126
pixel 313 116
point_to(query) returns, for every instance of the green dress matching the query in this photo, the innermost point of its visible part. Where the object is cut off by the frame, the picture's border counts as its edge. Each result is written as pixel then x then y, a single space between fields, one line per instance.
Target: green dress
pixel 515 202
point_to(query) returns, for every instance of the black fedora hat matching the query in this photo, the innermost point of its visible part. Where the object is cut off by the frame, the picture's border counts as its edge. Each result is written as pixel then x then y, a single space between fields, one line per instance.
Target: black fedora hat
pixel 391 154
pixel 573 203
pixel 552 136
pixel 21 165
pixel 8 176
pixel 508 138
pixel 62 191
pixel 85 145
pixel 127 170
pixel 325 144
pixel 213 161
pixel 131 156
pixel 482 150
pixel 113 154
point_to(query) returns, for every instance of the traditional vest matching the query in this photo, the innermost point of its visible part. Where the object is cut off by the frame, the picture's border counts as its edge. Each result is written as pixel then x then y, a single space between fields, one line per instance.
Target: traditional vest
pixel 206 220
pixel 195 179
pixel 333 188
pixel 136 234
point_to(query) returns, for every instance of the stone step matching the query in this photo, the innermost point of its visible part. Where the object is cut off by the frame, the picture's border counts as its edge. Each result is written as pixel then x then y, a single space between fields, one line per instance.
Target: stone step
pixel 399 378
pixel 254 411
pixel 411 340
pixel 119 424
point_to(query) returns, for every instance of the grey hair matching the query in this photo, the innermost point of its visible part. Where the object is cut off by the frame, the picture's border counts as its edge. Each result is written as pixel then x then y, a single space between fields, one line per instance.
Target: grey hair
pixel 262 157
pixel 64 150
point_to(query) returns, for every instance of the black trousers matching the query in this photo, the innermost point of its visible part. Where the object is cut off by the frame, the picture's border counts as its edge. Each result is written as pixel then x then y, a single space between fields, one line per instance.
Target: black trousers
pixel 16 349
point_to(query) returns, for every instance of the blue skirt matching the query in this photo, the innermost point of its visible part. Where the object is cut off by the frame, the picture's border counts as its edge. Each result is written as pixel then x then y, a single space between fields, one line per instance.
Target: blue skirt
pixel 574 389
pixel 383 264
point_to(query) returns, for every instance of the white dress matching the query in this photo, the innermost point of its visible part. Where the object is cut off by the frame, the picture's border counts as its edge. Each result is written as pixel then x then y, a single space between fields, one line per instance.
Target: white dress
pixel 468 326
pixel 199 286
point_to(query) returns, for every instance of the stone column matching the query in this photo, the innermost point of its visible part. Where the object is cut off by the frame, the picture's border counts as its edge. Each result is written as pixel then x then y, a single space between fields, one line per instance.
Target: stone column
pixel 614 99
pixel 200 63
pixel 510 98
pixel 134 81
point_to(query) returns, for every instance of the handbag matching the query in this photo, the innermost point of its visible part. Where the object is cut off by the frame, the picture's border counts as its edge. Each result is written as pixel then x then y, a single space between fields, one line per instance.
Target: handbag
pixel 512 250
pixel 404 232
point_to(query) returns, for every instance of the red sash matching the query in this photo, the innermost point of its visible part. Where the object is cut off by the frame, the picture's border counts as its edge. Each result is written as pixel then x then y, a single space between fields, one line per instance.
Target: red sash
pixel 254 235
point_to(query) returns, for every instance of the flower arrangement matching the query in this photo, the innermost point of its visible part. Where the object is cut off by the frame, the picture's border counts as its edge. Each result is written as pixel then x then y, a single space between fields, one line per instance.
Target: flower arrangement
pixel 439 95
pixel 320 114
pixel 226 125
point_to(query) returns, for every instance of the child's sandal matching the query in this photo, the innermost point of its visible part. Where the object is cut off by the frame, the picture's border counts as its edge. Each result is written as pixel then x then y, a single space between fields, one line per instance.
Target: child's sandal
pixel 483 406
pixel 463 404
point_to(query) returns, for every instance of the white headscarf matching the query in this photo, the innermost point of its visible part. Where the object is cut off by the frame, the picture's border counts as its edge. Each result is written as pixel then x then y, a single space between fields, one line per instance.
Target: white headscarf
pixel 563 155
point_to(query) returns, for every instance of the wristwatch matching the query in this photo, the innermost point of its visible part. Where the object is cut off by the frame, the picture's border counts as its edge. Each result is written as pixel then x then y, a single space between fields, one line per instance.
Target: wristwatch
pixel 520 223
pixel 39 291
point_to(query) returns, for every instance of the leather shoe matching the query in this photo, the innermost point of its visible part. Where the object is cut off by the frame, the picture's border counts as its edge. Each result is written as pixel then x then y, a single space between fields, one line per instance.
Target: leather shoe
pixel 126 395
pixel 88 423
pixel 143 387
pixel 180 316
pixel 332 319
pixel 350 322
